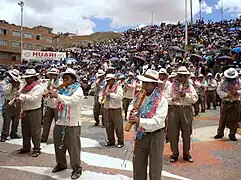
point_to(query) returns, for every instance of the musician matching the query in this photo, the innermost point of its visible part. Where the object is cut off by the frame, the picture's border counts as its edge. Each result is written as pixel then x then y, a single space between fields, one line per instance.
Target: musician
pixel 11 112
pixel 229 91
pixel 197 85
pixel 202 89
pixel 31 98
pixel 97 87
pixel 51 112
pixel 211 91
pixel 111 97
pixel 68 127
pixel 129 87
pixel 163 76
pixel 218 78
pixel 172 76
pixel 181 95
pixel 150 121
pixel 138 86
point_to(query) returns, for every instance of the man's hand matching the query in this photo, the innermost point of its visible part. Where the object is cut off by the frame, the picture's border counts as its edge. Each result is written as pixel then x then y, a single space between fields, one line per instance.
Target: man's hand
pixel 182 94
pixel 53 94
pixel 134 120
pixel 175 99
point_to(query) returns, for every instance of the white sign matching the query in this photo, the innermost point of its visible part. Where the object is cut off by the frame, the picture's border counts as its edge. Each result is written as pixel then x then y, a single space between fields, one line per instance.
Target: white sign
pixel 42 55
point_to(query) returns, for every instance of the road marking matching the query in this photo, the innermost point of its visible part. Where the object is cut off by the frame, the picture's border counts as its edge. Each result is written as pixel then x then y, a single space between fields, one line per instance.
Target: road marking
pixel 97 160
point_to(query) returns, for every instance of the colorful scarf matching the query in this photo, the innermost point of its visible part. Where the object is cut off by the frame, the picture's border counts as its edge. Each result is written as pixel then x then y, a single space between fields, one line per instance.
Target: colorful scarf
pixel 176 87
pixel 63 109
pixel 230 85
pixel 147 110
pixel 29 87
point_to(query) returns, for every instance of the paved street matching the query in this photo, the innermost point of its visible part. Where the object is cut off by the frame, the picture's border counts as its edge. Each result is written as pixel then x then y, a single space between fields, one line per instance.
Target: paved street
pixel 214 159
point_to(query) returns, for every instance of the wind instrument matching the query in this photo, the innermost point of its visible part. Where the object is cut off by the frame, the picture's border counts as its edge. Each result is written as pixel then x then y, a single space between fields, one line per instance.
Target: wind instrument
pixel 63 85
pixel 103 101
pixel 15 97
pixel 136 108
pixel 50 87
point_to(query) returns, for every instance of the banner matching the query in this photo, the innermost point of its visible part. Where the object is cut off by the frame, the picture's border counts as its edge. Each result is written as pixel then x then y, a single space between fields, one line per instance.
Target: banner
pixel 42 55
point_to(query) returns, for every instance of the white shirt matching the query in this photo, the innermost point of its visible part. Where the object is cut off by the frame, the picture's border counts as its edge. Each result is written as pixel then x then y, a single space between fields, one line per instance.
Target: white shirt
pixel 129 93
pixel 158 120
pixel 223 95
pixel 212 84
pixel 32 99
pixel 190 98
pixel 75 105
pixel 115 101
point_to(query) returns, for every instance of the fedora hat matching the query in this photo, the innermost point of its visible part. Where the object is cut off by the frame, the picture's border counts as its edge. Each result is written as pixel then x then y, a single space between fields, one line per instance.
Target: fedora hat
pixel 163 71
pixel 130 74
pixel 172 75
pixel 53 71
pixel 100 73
pixel 210 74
pixel 192 75
pixel 231 73
pixel 15 74
pixel 70 71
pixel 183 70
pixel 201 76
pixel 30 73
pixel 109 77
pixel 150 76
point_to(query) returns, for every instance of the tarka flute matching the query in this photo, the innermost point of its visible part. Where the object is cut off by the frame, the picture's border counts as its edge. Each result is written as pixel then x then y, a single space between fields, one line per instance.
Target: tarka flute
pixel 15 97
pixel 136 108
pixel 103 101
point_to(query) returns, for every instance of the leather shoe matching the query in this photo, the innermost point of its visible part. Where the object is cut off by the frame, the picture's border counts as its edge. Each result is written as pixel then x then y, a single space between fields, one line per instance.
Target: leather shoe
pixel 232 138
pixel 218 136
pixel 188 158
pixel 76 174
pixel 57 169
pixel 23 151
pixel 3 139
pixel 16 136
pixel 173 158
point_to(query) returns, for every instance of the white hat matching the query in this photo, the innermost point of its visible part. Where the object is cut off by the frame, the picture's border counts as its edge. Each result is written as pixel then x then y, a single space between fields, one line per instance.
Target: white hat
pixel 30 73
pixel 70 71
pixel 231 73
pixel 122 76
pixel 162 71
pixel 192 75
pixel 109 77
pixel 150 76
pixel 53 71
pixel 183 70
pixel 100 73
pixel 173 74
pixel 210 74
pixel 201 76
pixel 15 74
pixel 130 74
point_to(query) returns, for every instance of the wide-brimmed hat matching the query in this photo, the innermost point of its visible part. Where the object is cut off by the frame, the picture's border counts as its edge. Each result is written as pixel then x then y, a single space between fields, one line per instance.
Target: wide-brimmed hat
pixel 163 71
pixel 131 74
pixel 200 76
pixel 183 70
pixel 231 73
pixel 149 76
pixel 70 71
pixel 109 77
pixel 30 73
pixel 53 71
pixel 210 74
pixel 15 74
pixel 192 75
pixel 172 75
pixel 100 73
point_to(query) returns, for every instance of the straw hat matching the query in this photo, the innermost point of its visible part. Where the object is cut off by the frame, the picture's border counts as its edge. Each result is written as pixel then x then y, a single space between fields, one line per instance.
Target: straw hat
pixel 53 71
pixel 15 74
pixel 183 70
pixel 70 71
pixel 149 76
pixel 30 73
pixel 109 77
pixel 231 73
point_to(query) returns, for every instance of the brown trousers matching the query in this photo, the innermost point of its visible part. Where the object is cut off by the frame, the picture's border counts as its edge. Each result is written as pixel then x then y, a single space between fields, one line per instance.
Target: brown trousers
pixel 71 142
pixel 126 103
pixel 151 146
pixel 180 118
pixel 31 128
pixel 98 109
pixel 230 115
pixel 211 98
pixel 10 113
pixel 113 122
pixel 48 118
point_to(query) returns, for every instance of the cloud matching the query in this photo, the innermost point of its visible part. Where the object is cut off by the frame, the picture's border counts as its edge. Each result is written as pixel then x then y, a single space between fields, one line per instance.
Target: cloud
pixel 231 6
pixel 73 15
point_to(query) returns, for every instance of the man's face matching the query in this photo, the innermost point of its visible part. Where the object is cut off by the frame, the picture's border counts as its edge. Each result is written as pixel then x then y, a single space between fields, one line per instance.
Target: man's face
pixel 149 87
pixel 111 82
pixel 30 80
pixel 162 77
pixel 68 78
pixel 52 76
pixel 182 78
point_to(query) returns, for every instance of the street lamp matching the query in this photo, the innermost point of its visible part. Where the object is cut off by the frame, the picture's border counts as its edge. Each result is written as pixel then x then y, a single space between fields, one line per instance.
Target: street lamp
pixel 21 4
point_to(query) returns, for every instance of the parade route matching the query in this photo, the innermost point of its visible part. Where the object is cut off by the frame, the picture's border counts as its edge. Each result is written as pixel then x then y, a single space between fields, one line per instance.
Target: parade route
pixel 213 159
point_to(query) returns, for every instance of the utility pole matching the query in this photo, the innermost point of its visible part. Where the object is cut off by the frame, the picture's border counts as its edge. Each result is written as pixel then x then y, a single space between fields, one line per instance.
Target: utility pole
pixel 221 10
pixel 191 11
pixel 200 9
pixel 21 4
pixel 152 18
pixel 186 24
